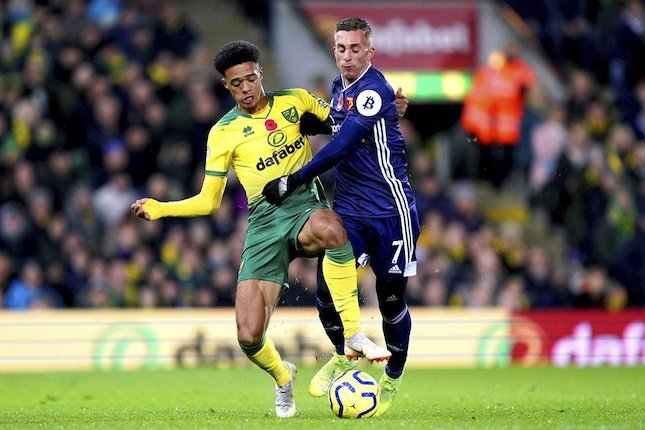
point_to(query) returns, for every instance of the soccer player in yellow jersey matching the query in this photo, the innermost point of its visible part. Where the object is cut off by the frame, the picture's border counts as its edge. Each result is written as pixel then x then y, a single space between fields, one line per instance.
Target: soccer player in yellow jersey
pixel 260 139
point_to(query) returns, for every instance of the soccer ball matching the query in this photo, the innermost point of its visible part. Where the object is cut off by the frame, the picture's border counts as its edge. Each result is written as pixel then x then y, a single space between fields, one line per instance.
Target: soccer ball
pixel 354 394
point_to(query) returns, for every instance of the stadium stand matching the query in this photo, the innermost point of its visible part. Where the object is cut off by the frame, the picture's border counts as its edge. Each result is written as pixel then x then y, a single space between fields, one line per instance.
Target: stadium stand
pixel 103 102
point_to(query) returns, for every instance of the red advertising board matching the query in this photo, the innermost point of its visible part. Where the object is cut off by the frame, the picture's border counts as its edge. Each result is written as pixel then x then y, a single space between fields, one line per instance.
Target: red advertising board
pixel 579 338
pixel 408 36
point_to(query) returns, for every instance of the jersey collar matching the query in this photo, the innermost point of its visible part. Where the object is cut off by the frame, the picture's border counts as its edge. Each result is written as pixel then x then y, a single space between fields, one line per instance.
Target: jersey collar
pixel 342 80
pixel 264 113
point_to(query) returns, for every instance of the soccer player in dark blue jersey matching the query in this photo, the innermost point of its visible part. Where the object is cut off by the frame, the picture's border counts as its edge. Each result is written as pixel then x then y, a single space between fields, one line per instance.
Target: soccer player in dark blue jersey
pixel 373 197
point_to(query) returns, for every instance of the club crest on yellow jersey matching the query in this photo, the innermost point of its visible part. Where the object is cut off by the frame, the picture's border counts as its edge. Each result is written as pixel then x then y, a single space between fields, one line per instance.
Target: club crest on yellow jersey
pixel 291 115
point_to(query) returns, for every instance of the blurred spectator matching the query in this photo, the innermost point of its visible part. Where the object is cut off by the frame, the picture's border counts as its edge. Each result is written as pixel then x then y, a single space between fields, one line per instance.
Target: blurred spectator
pixel 173 32
pixel 432 195
pixel 467 209
pixel 223 280
pixel 635 176
pixel 175 159
pixel 582 90
pixel 166 286
pixel 99 293
pixel 82 217
pixel 6 272
pixel 102 135
pixel 535 112
pixel 148 297
pixel 595 290
pixel 105 13
pixel 493 111
pixel 76 277
pixel 627 61
pixel 511 296
pixel 17 232
pixel 510 245
pixel 537 273
pixel 8 142
pixel 190 270
pixel 112 200
pixel 28 291
pixel 629 266
pixel 204 297
pixel 435 293
pixel 617 228
pixel 547 142
pixel 142 153
pixel 561 195
pixel 637 122
pixel 597 119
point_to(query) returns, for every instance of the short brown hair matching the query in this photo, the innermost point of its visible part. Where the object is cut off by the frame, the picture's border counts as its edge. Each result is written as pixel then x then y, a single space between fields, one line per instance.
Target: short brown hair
pixel 353 23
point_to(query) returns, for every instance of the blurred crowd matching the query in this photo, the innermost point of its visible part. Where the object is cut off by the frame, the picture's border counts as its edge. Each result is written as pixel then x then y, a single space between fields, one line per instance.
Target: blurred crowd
pixel 103 102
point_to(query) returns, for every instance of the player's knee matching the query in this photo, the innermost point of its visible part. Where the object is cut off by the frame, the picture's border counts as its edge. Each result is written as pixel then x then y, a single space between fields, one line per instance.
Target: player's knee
pixel 392 307
pixel 391 297
pixel 249 338
pixel 329 228
pixel 335 238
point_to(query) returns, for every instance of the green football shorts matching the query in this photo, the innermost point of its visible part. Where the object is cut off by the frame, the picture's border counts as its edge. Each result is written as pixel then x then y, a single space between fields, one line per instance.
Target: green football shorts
pixel 272 234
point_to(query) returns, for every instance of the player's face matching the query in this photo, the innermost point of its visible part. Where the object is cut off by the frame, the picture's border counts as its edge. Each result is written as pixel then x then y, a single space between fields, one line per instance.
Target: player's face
pixel 353 52
pixel 244 81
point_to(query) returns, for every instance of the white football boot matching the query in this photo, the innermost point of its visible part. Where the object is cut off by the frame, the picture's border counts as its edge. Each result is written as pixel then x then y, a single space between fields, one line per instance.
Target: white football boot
pixel 285 405
pixel 360 345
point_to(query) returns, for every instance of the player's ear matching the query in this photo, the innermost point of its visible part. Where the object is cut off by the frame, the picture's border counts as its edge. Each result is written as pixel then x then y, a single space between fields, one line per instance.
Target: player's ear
pixel 370 52
pixel 224 83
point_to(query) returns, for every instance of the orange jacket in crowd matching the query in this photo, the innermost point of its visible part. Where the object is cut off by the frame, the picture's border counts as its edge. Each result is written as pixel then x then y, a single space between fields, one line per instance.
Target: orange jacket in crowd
pixel 493 109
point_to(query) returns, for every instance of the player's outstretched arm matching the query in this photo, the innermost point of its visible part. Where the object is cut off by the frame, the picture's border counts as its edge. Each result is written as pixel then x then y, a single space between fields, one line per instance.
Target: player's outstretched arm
pixel 341 146
pixel 208 200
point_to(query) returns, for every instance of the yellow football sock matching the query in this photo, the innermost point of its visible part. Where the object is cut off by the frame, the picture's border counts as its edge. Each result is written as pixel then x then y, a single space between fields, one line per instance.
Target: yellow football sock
pixel 339 270
pixel 268 359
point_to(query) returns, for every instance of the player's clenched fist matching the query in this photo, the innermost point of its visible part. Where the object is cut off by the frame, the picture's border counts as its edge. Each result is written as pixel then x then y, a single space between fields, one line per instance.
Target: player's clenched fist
pixel 277 190
pixel 137 208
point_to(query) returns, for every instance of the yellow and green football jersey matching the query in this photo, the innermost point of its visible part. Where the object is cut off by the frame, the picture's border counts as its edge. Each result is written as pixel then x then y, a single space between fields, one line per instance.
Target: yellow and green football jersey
pixel 265 145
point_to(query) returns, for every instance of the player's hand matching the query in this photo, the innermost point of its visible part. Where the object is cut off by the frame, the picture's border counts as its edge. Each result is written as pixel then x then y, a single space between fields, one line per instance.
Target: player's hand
pixel 137 208
pixel 277 190
pixel 310 125
pixel 401 101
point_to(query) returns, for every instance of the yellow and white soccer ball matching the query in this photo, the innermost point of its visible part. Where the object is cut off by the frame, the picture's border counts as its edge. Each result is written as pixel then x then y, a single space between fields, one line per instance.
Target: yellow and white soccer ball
pixel 354 394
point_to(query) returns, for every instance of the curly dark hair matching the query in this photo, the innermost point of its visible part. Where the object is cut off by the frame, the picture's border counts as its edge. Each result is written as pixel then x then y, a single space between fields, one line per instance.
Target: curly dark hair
pixel 234 53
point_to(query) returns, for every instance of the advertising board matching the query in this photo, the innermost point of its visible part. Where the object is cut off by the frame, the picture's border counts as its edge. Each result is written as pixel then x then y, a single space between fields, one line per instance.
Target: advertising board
pixel 158 339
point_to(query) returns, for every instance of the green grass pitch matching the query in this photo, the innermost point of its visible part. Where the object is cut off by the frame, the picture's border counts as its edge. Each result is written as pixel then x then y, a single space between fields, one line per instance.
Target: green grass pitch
pixel 242 398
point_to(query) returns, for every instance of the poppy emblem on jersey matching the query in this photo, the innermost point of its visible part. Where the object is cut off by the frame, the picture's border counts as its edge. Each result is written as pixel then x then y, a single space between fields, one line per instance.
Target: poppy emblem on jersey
pixel 339 105
pixel 270 125
pixel 349 103
pixel 290 115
